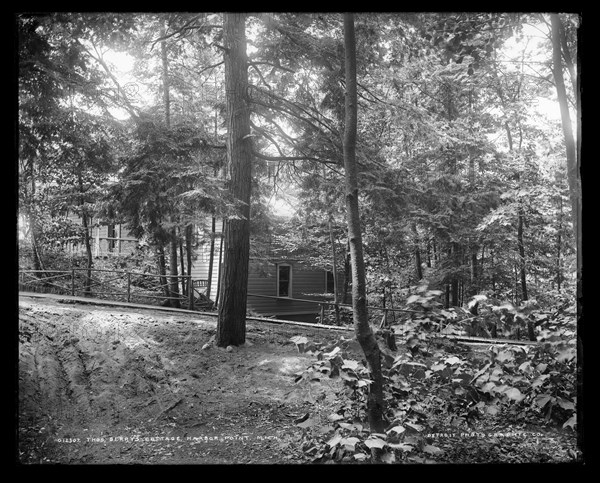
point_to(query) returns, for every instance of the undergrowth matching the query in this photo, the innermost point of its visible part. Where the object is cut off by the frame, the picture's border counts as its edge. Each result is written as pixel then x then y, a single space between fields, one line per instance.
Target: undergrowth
pixel 433 383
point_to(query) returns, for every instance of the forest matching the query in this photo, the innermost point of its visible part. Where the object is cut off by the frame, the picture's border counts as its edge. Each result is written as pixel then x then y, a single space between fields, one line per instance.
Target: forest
pixel 431 161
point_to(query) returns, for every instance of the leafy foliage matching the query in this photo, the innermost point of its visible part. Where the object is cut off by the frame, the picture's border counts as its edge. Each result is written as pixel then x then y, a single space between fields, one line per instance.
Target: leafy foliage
pixel 433 383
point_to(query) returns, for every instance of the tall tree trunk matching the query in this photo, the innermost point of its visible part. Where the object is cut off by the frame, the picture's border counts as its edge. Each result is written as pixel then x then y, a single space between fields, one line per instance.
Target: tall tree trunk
pixel 521 247
pixel 417 252
pixel 558 245
pixel 455 294
pixel 211 256
pixel 188 255
pixel 573 175
pixel 220 265
pixel 34 230
pixel 428 253
pixel 34 227
pixel 173 272
pixel 88 251
pixel 573 154
pixel 347 274
pixel 334 267
pixel 182 261
pixel 231 326
pixel 162 269
pixel 364 334
pixel 474 285
pixel 86 237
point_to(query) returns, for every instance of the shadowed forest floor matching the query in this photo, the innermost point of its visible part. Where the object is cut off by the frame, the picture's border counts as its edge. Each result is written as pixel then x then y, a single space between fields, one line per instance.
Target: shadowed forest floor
pixel 122 385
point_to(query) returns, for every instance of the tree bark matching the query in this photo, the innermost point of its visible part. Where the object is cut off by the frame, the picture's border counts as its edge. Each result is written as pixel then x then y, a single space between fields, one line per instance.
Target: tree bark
pixel 162 269
pixel 211 256
pixel 220 265
pixel 182 262
pixel 86 237
pixel 347 273
pixel 474 285
pixel 573 154
pixel 173 272
pixel 573 175
pixel 231 326
pixel 455 294
pixel 364 334
pixel 417 251
pixel 188 253
pixel 521 247
pixel 334 268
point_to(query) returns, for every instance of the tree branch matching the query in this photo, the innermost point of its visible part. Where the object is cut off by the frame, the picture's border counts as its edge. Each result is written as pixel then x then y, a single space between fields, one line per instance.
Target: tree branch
pixel 260 75
pixel 187 26
pixel 98 58
pixel 272 65
pixel 210 67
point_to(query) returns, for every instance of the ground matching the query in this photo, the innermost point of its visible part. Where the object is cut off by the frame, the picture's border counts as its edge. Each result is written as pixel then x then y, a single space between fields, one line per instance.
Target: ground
pixel 102 384
pixel 105 384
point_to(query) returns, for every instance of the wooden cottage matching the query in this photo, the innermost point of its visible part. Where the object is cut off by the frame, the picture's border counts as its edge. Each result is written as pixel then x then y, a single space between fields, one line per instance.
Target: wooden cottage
pixel 106 239
pixel 281 287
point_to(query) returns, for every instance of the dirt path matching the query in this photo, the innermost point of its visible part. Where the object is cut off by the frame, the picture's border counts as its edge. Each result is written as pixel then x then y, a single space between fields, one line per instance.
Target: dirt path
pixel 122 385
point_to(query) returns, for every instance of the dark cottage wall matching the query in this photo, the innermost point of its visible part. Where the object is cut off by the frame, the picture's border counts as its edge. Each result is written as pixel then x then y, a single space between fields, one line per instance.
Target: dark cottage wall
pixel 306 283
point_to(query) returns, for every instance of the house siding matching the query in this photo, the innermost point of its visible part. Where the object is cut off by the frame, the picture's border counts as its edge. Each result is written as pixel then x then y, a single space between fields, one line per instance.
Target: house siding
pixel 200 264
pixel 101 244
pixel 307 284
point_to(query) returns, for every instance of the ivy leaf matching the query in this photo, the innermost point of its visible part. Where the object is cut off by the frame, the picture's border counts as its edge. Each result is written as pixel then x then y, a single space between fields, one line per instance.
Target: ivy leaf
pixel 349 364
pixel 492 410
pixel 334 441
pixel 542 400
pixel 363 382
pixel 417 427
pixel 514 394
pixel 488 387
pixel 432 450
pixel 332 354
pixel 397 429
pixel 360 456
pixel 374 442
pixel 300 342
pixel 349 443
pixel 571 422
pixel 401 446
pixel 565 404
pixel 505 356
pixel 334 417
pixel 566 355
pixel 525 367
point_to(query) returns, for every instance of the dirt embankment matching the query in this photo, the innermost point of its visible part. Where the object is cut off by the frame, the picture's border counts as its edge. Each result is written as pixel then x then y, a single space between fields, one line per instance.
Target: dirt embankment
pixel 121 385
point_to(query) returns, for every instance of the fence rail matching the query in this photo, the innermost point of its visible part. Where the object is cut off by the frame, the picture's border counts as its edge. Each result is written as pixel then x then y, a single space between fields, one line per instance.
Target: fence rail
pixel 114 285
pixel 323 304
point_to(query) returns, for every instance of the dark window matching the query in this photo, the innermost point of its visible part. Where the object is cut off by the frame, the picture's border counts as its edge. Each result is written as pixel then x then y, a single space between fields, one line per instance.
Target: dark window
pixel 330 288
pixel 111 233
pixel 284 280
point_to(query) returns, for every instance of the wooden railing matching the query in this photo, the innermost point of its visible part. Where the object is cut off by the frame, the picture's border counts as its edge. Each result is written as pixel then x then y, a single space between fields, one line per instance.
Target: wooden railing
pixel 323 304
pixel 113 285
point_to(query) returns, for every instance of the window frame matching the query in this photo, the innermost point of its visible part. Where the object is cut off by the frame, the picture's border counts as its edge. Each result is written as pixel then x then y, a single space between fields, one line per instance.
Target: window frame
pixel 277 287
